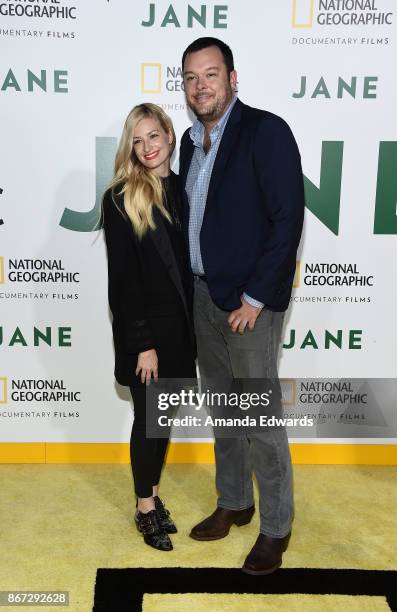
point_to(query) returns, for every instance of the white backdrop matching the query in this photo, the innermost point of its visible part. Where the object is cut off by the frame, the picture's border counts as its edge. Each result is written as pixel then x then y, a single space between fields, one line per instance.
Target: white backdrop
pixel 67 82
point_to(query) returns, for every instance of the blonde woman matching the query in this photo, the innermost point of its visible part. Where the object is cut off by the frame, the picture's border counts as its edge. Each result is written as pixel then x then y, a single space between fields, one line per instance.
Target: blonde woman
pixel 149 293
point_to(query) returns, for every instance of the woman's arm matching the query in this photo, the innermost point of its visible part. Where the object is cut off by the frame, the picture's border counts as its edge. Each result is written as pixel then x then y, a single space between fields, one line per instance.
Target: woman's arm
pixel 125 281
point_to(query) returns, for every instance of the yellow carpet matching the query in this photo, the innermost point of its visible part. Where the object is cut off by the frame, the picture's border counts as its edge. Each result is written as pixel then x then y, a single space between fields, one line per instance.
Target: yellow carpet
pixel 59 523
pixel 266 603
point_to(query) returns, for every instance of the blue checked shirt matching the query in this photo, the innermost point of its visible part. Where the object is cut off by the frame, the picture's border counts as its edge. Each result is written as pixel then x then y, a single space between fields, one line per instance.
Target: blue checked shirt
pixel 197 183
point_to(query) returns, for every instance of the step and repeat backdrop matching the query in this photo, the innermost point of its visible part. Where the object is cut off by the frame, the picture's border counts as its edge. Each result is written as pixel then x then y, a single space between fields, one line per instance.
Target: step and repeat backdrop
pixel 70 71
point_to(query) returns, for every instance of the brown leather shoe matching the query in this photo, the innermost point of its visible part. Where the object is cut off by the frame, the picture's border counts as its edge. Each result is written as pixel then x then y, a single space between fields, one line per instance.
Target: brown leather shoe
pixel 266 555
pixel 218 525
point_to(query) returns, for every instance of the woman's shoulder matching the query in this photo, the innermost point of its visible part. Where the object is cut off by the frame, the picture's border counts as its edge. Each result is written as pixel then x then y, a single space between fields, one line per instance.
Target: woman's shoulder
pixel 113 196
pixel 113 205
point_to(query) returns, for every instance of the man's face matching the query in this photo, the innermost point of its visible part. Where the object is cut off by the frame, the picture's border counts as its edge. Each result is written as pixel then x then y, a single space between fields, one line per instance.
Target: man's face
pixel 208 87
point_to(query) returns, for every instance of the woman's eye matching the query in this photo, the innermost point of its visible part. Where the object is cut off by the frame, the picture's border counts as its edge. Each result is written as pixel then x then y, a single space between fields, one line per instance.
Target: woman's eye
pixel 153 136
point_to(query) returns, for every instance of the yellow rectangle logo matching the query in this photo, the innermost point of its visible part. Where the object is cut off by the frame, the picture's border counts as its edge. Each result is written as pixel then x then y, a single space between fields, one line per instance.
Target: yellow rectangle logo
pixel 1 270
pixel 3 390
pixel 150 78
pixel 302 13
pixel 297 278
pixel 288 391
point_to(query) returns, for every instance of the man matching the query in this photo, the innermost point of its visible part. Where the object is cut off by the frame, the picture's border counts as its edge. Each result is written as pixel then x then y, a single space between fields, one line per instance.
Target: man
pixel 243 194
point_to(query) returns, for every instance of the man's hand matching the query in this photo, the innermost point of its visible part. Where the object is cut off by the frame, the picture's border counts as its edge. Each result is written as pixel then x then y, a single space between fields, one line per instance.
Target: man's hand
pixel 147 365
pixel 246 314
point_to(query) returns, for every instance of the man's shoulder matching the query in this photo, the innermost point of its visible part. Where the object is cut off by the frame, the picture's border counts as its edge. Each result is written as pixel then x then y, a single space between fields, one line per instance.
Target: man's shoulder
pixel 264 118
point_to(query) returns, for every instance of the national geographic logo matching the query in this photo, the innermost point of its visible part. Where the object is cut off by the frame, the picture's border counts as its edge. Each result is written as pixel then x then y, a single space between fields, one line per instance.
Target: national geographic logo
pixel 309 13
pixel 302 13
pixel 313 391
pixel 3 390
pixel 36 390
pixel 156 79
pixel 38 9
pixel 36 272
pixel 335 275
pixel 47 336
pixel 329 392
pixel 288 391
pixel 332 404
pixel 331 275
pixel 297 277
pixel 19 396
pixel 207 16
pixel 337 402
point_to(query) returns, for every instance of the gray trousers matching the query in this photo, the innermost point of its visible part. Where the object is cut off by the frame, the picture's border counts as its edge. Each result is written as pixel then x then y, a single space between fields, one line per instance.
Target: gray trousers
pixel 222 353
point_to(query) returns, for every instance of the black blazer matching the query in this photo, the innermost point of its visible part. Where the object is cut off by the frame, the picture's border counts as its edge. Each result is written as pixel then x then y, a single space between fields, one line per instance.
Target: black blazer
pixel 149 300
pixel 254 211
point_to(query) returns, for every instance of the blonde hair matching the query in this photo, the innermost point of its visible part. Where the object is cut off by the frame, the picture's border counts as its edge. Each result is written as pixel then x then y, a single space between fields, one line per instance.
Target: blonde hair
pixel 142 188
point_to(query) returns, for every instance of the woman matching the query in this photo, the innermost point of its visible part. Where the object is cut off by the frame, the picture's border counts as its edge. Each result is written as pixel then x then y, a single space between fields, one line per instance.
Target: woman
pixel 149 293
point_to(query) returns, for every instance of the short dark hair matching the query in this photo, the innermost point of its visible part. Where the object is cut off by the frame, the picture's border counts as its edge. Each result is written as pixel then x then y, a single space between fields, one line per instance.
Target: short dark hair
pixel 209 41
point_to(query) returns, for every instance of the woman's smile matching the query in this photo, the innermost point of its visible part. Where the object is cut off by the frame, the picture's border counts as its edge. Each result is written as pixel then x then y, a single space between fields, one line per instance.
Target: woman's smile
pixel 151 155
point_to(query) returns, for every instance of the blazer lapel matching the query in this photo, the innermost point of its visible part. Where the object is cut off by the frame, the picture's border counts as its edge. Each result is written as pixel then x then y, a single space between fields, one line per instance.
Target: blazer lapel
pixel 162 242
pixel 226 146
pixel 185 159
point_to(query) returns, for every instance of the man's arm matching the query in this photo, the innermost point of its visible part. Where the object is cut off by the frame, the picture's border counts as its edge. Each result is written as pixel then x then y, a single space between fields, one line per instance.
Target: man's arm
pixel 279 172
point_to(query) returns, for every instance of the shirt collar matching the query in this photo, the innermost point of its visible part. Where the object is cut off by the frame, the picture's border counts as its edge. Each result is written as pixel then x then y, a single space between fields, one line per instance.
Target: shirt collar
pixel 197 130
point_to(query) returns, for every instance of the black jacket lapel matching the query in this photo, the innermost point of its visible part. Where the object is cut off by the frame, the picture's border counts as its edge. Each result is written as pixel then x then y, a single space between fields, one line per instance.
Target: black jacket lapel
pixel 161 241
pixel 185 158
pixel 226 146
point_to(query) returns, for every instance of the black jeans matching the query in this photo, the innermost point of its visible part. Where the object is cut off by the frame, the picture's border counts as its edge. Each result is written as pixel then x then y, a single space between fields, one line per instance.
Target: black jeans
pixel 147 454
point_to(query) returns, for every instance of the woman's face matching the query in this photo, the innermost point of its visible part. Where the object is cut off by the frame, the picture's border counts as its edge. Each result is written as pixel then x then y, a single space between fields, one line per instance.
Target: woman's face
pixel 152 145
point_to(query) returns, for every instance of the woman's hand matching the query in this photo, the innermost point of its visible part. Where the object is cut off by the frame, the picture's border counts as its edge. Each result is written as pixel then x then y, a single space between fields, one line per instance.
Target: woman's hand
pixel 147 365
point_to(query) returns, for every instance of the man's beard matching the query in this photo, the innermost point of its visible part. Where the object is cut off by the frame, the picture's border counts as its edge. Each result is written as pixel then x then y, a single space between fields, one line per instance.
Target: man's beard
pixel 215 110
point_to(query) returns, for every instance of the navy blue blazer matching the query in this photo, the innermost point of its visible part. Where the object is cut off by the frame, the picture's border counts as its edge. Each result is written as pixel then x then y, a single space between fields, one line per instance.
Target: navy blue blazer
pixel 254 211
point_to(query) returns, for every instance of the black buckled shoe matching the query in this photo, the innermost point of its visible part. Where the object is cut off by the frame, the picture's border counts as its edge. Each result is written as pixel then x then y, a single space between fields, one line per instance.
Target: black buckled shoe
pixel 164 516
pixel 154 535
